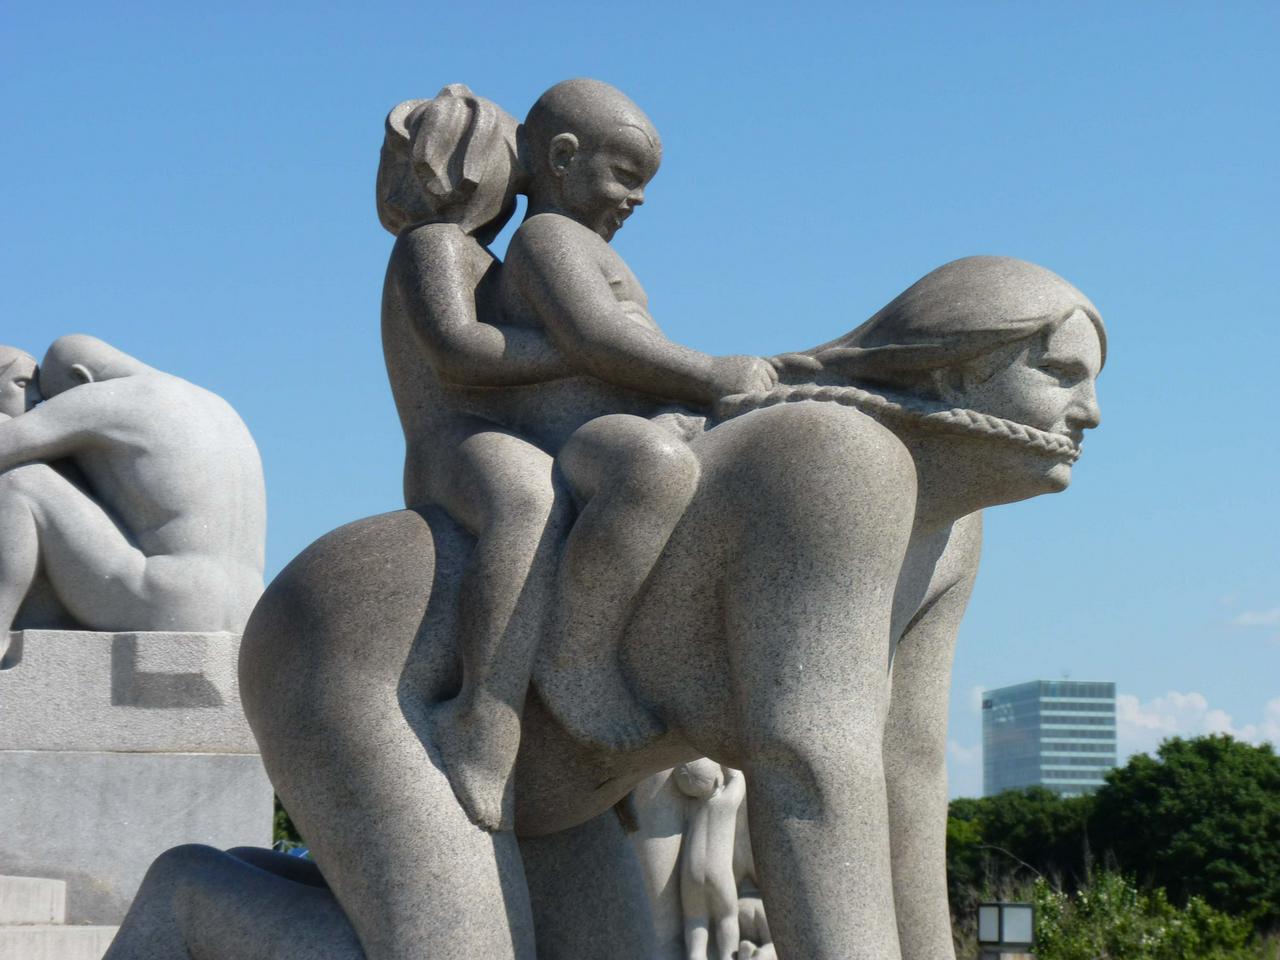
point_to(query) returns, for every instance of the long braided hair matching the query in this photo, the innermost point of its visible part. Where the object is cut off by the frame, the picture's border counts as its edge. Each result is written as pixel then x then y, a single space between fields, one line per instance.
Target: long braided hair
pixel 950 319
pixel 906 410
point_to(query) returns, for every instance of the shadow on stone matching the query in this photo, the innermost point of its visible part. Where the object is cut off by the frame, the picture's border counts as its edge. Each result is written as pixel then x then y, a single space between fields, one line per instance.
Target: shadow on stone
pixel 132 687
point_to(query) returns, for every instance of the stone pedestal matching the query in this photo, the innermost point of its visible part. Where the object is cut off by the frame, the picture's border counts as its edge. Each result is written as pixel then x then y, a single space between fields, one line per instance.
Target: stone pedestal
pixel 33 915
pixel 115 747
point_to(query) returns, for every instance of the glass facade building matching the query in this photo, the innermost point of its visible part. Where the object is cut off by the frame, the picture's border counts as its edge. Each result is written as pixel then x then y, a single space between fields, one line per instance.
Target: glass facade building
pixel 1059 734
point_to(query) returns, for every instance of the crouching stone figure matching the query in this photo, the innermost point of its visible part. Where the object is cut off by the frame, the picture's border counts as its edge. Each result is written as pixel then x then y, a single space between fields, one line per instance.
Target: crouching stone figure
pixel 158 524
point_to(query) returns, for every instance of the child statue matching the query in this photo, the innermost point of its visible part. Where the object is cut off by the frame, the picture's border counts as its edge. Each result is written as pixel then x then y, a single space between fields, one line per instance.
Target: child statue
pixel 590 152
pixel 525 362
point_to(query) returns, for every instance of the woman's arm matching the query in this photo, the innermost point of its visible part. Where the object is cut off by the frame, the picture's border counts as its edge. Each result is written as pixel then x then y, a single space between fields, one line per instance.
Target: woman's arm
pixel 432 270
pixel 915 750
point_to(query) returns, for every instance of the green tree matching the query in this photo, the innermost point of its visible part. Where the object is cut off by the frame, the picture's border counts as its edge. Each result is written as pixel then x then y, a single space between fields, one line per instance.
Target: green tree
pixel 1200 819
pixel 1042 829
pixel 994 843
pixel 283 828
pixel 1110 918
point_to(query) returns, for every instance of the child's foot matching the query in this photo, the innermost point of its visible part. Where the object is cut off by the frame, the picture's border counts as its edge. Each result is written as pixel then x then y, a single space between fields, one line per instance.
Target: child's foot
pixel 478 741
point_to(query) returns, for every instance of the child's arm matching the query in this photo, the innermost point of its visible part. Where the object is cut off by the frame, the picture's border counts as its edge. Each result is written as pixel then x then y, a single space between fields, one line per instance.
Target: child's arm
pixel 556 273
pixel 438 290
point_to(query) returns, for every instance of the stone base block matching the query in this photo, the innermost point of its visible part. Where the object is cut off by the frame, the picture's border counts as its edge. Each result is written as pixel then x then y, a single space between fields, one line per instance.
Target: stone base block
pixel 97 819
pixel 25 900
pixel 81 690
pixel 55 942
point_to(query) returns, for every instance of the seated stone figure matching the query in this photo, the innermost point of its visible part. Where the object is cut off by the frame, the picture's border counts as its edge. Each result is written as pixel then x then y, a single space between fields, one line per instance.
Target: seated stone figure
pixel 161 525
pixel 464 345
pixel 590 153
pixel 19 391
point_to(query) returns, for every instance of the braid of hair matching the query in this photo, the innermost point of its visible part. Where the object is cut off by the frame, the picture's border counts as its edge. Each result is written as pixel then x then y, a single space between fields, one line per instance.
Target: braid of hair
pixel 922 414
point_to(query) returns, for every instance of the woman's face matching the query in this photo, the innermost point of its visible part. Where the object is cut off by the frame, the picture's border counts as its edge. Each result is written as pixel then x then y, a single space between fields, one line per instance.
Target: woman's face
pixel 1048 384
pixel 18 390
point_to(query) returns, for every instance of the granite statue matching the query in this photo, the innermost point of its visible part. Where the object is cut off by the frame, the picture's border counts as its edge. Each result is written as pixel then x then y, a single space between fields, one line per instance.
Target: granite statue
pixel 708 887
pixel 132 519
pixel 19 392
pixel 796 621
pixel 753 924
pixel 690 834
pixel 655 815
pixel 19 389
pixel 136 495
pixel 563 308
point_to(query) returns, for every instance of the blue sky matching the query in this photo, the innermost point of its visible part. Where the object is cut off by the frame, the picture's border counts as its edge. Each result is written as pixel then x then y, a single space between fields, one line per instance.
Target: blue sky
pixel 195 184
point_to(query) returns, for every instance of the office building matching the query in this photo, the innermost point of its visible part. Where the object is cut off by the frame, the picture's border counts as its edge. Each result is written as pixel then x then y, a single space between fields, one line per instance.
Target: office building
pixel 1059 734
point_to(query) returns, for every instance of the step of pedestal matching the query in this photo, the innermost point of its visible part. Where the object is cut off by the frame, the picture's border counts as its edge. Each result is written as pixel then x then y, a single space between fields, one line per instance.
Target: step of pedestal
pixel 55 942
pixel 32 900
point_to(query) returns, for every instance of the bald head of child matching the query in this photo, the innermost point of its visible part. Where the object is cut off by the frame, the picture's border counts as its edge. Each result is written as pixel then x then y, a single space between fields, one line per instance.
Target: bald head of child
pixel 590 152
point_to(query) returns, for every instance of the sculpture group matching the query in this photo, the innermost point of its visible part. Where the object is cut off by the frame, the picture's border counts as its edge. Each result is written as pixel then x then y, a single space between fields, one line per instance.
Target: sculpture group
pixel 617 555
pixel 130 499
pixel 132 529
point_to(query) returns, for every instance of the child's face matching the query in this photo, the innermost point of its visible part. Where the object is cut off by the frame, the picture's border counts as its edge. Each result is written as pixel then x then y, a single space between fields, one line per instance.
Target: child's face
pixel 602 185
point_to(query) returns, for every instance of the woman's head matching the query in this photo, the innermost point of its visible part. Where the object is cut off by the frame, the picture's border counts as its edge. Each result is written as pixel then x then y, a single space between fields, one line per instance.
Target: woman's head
pixel 961 317
pixel 1000 337
pixel 451 159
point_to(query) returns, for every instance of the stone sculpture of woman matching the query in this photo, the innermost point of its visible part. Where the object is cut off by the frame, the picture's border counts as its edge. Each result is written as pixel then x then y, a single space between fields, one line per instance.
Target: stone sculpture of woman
pixel 799 626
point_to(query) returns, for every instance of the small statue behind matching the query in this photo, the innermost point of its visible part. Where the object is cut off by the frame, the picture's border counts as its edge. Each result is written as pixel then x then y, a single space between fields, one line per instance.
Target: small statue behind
pixel 695 852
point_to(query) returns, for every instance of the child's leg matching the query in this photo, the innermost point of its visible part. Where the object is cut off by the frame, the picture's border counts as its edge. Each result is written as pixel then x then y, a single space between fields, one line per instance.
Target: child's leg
pixel 499 487
pixel 634 481
pixel 697 938
pixel 724 908
pixel 693 897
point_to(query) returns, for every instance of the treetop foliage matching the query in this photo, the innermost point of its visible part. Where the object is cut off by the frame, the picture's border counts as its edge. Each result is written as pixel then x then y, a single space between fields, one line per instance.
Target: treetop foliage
pixel 1200 819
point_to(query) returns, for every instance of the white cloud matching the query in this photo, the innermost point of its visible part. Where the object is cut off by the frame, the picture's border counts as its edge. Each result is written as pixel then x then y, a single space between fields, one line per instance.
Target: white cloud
pixel 1141 726
pixel 964 769
pixel 1257 618
pixel 975 700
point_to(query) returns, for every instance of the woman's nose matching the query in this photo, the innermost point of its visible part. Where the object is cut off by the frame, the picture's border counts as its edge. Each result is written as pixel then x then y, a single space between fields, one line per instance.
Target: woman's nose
pixel 1085 413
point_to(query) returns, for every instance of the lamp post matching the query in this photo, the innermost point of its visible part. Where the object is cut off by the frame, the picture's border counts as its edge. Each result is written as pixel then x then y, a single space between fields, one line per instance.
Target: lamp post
pixel 1006 931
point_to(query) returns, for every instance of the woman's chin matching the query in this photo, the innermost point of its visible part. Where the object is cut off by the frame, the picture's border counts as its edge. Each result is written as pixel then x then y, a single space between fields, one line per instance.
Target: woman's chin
pixel 1058 477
